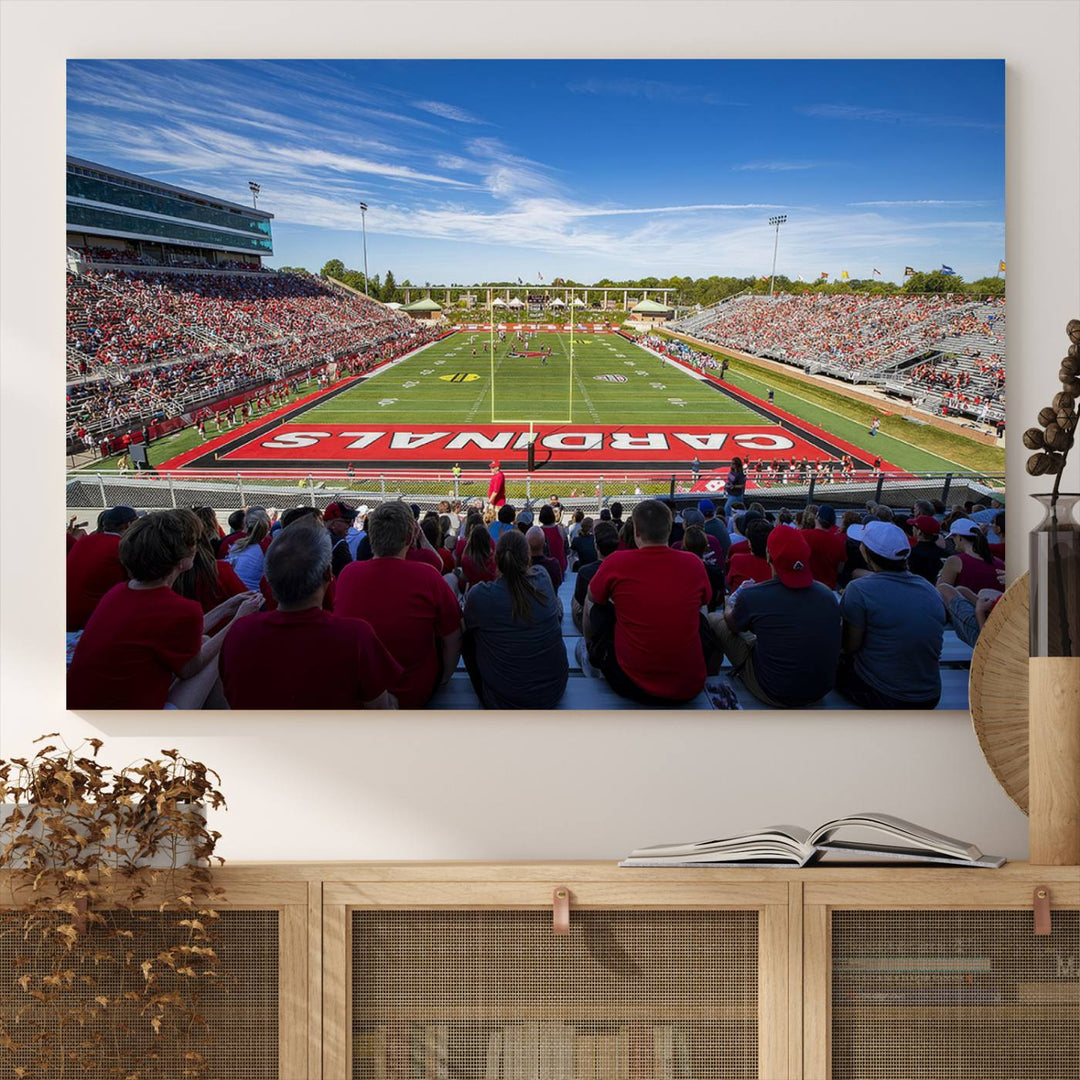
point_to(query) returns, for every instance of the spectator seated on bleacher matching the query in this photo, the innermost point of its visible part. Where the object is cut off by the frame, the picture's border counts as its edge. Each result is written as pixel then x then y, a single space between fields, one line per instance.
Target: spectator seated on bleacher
pixel 144 645
pixel 782 635
pixel 968 611
pixel 607 541
pixel 513 645
pixel 972 566
pixel 300 656
pixel 412 609
pixel 893 626
pixel 94 567
pixel 642 615
pixel 583 542
pixel 537 544
pixel 210 581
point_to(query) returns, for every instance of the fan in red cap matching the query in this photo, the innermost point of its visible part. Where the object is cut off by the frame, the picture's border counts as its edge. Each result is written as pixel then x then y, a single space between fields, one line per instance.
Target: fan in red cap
pixel 789 554
pixel 497 486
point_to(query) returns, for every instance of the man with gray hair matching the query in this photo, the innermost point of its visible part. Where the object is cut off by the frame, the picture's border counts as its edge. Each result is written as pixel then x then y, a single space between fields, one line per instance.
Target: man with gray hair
pixel 300 656
pixel 413 610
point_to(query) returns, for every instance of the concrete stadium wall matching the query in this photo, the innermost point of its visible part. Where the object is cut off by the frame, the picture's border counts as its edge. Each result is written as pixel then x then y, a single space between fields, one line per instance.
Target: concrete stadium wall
pixel 491 785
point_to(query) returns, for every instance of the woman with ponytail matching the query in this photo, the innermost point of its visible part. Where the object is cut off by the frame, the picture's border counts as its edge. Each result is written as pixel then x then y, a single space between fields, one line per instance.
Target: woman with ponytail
pixel 247 555
pixel 513 644
pixel 210 581
pixel 973 566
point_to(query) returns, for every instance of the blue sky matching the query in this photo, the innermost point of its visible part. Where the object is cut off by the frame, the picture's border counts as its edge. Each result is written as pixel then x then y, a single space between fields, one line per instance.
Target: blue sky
pixel 487 170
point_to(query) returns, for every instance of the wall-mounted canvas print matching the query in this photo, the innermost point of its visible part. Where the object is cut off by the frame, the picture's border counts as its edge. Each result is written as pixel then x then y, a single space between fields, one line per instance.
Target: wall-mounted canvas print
pixel 533 384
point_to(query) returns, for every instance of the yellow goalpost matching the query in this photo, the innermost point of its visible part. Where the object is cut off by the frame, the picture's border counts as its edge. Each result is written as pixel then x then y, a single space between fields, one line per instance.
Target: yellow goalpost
pixel 531 421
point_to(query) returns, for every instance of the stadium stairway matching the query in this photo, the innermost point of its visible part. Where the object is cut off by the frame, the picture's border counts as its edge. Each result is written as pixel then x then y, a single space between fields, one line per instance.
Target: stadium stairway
pixel 586 689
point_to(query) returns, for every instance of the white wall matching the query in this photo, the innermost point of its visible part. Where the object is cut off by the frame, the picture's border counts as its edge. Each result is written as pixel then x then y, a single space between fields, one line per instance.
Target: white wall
pixel 478 785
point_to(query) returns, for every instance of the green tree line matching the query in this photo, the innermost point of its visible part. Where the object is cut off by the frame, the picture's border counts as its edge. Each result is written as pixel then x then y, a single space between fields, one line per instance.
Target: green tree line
pixel 689 291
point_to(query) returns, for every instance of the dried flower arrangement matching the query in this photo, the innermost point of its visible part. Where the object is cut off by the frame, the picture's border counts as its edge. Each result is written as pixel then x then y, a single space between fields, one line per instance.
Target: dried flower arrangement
pixel 107 923
pixel 1052 443
pixel 1054 438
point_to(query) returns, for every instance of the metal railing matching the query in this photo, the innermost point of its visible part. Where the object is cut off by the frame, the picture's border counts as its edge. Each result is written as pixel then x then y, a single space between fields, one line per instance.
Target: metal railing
pixel 283 488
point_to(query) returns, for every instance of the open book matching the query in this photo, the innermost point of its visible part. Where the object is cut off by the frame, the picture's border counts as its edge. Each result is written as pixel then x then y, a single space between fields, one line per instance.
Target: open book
pixel 863 837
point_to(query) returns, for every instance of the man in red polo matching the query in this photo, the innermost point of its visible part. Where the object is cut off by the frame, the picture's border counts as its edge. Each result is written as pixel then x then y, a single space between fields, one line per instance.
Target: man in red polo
pixel 349 667
pixel 643 614
pixel 94 567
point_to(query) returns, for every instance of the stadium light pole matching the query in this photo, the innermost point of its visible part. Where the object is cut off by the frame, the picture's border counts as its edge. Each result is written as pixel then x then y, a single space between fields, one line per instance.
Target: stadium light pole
pixel 363 233
pixel 254 189
pixel 776 222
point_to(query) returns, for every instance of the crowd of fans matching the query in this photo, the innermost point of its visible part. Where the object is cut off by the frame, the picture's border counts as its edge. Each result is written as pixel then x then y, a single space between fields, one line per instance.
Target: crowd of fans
pixel 846 333
pixel 960 385
pixel 156 343
pixel 372 607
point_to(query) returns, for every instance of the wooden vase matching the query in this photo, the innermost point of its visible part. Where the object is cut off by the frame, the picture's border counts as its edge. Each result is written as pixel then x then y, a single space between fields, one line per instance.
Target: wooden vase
pixel 1054 760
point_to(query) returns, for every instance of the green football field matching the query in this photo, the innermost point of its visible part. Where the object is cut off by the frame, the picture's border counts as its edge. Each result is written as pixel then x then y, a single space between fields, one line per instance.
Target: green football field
pixel 611 381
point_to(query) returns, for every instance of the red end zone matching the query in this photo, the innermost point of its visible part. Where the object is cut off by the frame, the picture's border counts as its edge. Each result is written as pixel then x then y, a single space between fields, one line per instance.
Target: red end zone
pixel 415 444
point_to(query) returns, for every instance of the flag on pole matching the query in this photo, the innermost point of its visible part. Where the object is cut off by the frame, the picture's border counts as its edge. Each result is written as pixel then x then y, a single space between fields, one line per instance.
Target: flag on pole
pixel 539 275
pixel 520 282
pixel 824 275
pixel 947 269
pixel 877 271
pixel 908 271
pixel 764 277
pixel 843 275
pixel 1001 267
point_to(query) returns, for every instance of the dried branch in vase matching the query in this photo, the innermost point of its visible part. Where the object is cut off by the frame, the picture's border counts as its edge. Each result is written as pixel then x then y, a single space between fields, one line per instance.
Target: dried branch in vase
pixel 107 937
pixel 1054 438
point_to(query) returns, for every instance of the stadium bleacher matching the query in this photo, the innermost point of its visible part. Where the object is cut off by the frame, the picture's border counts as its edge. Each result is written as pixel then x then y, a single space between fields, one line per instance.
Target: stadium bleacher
pixel 156 343
pixel 888 341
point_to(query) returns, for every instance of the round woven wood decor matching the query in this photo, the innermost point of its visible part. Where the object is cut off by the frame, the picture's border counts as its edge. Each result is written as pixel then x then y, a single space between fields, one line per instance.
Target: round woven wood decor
pixel 999 691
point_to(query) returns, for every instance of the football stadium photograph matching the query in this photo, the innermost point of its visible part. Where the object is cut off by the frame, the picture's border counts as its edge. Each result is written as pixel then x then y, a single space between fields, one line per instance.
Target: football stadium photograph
pixel 389 389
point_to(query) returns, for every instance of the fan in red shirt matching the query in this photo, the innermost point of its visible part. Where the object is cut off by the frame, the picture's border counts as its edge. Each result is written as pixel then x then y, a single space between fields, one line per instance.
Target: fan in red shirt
pixel 497 486
pixel 412 609
pixel 647 640
pixel 478 554
pixel 93 566
pixel 236 532
pixel 266 652
pixel 143 647
pixel 752 564
pixel 828 547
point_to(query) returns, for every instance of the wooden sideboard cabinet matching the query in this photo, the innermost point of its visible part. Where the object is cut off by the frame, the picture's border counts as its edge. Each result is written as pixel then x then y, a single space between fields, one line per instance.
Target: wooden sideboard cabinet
pixel 423 971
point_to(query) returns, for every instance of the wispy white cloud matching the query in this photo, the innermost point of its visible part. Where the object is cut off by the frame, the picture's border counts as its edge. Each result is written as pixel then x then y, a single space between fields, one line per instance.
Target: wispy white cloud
pixel 319 146
pixel 780 166
pixel 448 112
pixel 925 202
pixel 893 116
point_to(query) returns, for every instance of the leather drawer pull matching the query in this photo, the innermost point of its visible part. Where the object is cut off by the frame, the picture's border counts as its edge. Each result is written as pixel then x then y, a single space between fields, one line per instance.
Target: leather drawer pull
pixel 560 911
pixel 1040 902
